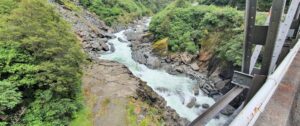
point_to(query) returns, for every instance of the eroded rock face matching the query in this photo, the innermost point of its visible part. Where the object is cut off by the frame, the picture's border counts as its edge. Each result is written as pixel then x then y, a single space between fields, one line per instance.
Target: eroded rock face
pixel 92 32
pixel 171 118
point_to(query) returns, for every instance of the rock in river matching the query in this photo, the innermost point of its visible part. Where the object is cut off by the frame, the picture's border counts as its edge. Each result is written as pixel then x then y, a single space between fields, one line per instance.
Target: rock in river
pixel 192 103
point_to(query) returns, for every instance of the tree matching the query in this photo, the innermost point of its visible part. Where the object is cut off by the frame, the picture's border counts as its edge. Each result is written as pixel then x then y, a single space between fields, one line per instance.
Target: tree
pixel 40 64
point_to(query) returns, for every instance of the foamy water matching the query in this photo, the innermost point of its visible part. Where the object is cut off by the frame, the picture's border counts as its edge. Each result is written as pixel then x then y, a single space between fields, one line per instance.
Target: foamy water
pixel 179 88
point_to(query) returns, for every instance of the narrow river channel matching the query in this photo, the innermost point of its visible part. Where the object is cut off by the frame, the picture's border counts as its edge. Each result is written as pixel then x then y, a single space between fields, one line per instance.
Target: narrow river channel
pixel 177 89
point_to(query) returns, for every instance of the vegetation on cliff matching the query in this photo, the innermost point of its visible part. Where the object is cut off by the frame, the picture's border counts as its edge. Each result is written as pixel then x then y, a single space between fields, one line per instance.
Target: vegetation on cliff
pixel 122 12
pixel 202 29
pixel 40 59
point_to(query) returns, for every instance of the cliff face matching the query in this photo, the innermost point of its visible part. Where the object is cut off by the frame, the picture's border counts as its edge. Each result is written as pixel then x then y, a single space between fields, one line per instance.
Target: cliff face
pixel 112 94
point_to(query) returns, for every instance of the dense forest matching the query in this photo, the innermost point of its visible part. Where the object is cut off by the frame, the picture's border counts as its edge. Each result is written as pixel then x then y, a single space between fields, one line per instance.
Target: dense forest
pixel 115 12
pixel 40 62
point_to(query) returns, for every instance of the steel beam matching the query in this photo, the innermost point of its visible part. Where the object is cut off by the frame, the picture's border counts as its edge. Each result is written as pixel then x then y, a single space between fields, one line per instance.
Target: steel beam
pixel 283 33
pixel 275 20
pixel 217 107
pixel 250 24
pixel 257 50
pixel 257 83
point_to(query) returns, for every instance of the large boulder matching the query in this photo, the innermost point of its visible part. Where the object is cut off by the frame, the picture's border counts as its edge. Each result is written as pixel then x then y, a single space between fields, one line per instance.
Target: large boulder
pixel 221 84
pixel 132 35
pixel 153 62
pixel 179 69
pixel 104 47
pixel 186 58
pixel 160 47
pixel 195 66
pixel 228 110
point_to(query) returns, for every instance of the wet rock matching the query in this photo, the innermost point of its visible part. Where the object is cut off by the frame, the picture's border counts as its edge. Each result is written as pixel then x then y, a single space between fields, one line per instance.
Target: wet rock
pixel 129 45
pixel 217 117
pixel 112 47
pixel 105 47
pixel 95 45
pixel 197 105
pixel 195 66
pixel 212 93
pixel 121 40
pixel 186 58
pixel 139 57
pixel 228 110
pixel 162 89
pixel 221 84
pixel 109 35
pixel 196 90
pixel 179 69
pixel 181 96
pixel 205 106
pixel 132 35
pixel 192 103
pixel 153 62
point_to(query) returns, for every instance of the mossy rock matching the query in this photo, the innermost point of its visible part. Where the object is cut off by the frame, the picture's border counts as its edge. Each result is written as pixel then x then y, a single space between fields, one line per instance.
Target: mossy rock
pixel 161 46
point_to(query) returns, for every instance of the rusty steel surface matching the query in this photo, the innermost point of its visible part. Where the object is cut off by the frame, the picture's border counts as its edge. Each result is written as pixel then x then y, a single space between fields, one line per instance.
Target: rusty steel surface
pixel 280 107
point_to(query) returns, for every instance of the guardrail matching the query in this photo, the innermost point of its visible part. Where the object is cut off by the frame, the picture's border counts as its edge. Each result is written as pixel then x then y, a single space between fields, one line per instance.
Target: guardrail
pixel 249 115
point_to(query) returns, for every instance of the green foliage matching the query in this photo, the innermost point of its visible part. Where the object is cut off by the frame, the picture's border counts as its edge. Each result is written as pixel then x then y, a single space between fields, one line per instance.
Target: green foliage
pixel 9 96
pixel 122 12
pixel 116 11
pixel 218 30
pixel 188 27
pixel 39 66
pixel 6 6
pixel 262 5
pixel 69 4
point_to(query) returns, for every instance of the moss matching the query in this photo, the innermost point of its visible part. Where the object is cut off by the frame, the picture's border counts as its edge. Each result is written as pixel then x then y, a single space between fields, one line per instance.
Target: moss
pixel 161 46
pixel 83 118
pixel 151 116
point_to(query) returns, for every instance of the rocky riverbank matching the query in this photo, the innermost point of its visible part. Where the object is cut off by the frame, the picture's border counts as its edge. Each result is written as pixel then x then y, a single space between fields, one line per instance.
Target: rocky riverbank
pixel 109 86
pixel 211 79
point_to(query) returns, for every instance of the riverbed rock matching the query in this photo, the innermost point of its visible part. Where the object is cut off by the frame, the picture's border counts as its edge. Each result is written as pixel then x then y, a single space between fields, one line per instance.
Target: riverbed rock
pixel 186 58
pixel 179 69
pixel 139 57
pixel 153 62
pixel 104 47
pixel 132 35
pixel 162 89
pixel 192 102
pixel 197 105
pixel 195 66
pixel 121 40
pixel 228 110
pixel 196 90
pixel 112 47
pixel 205 106
pixel 221 84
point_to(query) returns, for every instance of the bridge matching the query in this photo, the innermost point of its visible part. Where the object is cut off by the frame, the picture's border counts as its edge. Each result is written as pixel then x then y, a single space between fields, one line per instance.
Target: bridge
pixel 271 86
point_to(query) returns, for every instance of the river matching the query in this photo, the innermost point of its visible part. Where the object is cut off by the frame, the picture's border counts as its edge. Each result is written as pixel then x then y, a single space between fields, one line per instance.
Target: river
pixel 178 89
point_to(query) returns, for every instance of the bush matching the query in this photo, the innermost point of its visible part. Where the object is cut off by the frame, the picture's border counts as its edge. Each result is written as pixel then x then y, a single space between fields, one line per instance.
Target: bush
pixel 208 28
pixel 40 62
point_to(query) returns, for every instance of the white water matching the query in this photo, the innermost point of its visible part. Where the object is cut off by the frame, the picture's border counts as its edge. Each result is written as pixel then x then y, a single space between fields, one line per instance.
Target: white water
pixel 179 87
